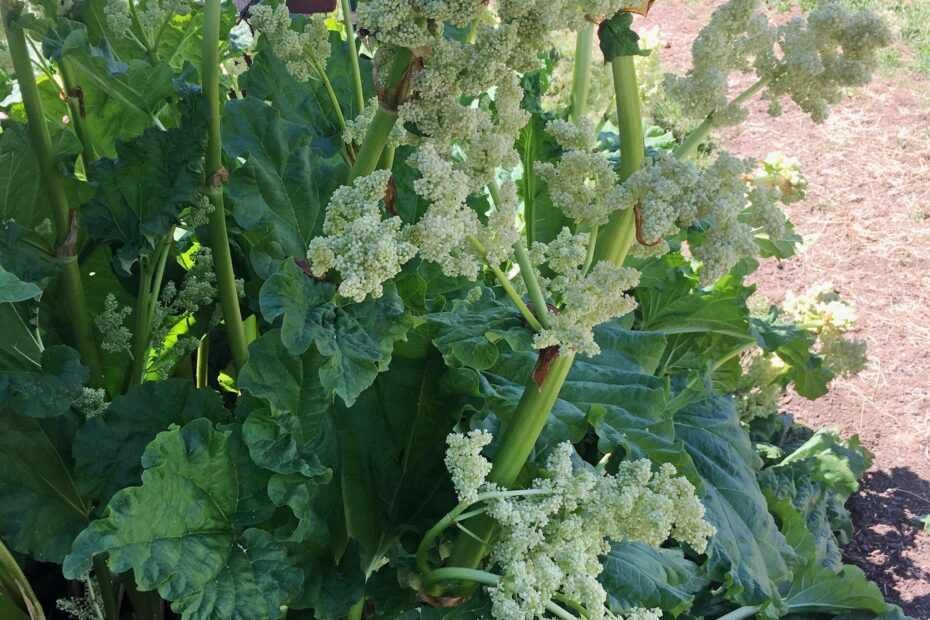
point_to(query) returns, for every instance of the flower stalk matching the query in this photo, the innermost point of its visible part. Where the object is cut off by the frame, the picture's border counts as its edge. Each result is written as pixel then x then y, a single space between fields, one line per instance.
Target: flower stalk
pixel 63 216
pixel 353 55
pixel 581 71
pixel 215 175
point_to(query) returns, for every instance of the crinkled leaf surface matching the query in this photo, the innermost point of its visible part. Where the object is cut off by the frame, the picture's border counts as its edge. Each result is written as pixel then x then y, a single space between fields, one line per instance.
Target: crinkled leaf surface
pixel 286 181
pixel 637 575
pixel 175 532
pixel 356 339
pixel 108 449
pixel 817 589
pixel 748 554
pixel 41 512
pixel 617 38
pixel 140 193
pixel 46 393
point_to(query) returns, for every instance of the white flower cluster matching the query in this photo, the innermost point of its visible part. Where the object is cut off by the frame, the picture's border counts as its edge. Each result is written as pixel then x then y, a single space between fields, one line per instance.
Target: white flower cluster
pixel 669 192
pixel 115 336
pixel 817 56
pixel 303 53
pixel 550 541
pixel 198 214
pixel 152 14
pixel 357 127
pixel 821 310
pixel 759 388
pixel 465 464
pixel 582 184
pixel 586 298
pixel 447 231
pixel 91 402
pixel 785 175
pixel 363 248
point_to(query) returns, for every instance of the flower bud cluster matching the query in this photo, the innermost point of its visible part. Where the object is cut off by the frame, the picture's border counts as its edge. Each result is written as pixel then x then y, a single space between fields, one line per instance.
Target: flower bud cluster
pixel 465 464
pixel 669 192
pixel 115 336
pixel 357 127
pixel 808 59
pixel 759 387
pixel 91 402
pixel 152 14
pixel 785 174
pixel 821 310
pixel 363 248
pixel 585 298
pixel 551 539
pixel 303 53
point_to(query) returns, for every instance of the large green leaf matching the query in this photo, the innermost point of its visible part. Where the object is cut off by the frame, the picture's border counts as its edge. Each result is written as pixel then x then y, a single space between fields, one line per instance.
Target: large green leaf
pixel 308 103
pixel 141 193
pixel 816 589
pixel 748 554
pixel 41 512
pixel 637 575
pixel 175 532
pixel 285 182
pixel 108 449
pixel 392 443
pixel 356 339
pixel 23 196
pixel 12 289
pixel 474 333
pixel 48 392
pixel 121 97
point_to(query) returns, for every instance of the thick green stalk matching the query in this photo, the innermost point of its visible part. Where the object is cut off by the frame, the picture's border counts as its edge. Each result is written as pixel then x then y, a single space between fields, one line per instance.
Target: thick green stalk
pixel 699 133
pixel 215 175
pixel 353 55
pixel 386 161
pixel 581 74
pixel 617 236
pixel 88 152
pixel 203 362
pixel 517 441
pixel 366 160
pixel 741 613
pixel 520 435
pixel 107 593
pixel 65 228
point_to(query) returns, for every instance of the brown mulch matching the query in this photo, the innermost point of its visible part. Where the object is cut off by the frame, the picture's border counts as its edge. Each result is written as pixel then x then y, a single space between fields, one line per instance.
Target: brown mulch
pixel 866 225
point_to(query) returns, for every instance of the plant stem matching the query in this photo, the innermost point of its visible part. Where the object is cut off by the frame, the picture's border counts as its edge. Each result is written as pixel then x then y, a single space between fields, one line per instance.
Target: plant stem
pixel 455 573
pixel 581 73
pixel 353 55
pixel 334 100
pixel 366 160
pixel 88 153
pixel 107 593
pixel 386 161
pixel 215 173
pixel 527 271
pixel 482 253
pixel 617 236
pixel 355 613
pixel 203 362
pixel 63 217
pixel 741 613
pixel 517 439
pixel 698 134
pixel 592 243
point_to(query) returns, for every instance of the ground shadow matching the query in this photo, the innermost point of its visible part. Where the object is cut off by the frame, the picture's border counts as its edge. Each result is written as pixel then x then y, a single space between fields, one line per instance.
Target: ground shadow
pixel 892 550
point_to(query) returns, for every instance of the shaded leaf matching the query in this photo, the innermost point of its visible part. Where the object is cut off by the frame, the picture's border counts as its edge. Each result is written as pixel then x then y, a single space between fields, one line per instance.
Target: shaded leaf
pixel 49 392
pixel 175 533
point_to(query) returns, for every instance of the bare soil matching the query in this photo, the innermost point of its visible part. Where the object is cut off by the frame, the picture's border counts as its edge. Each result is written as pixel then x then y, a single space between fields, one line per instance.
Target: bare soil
pixel 866 225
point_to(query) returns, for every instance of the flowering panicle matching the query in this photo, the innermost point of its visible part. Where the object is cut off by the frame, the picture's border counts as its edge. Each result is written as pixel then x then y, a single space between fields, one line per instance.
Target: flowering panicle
pixel 115 336
pixel 550 541
pixel 363 248
pixel 465 464
pixel 807 59
pixel 91 402
pixel 759 387
pixel 821 310
pixel 357 127
pixel 669 192
pixel 152 15
pixel 303 53
pixel 784 174
pixel 586 298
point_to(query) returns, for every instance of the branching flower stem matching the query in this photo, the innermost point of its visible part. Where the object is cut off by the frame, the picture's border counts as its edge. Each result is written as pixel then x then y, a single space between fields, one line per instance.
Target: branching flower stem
pixel 581 71
pixel 215 173
pixel 519 436
pixel 63 216
pixel 353 55
pixel 504 281
pixel 150 278
pixel 698 134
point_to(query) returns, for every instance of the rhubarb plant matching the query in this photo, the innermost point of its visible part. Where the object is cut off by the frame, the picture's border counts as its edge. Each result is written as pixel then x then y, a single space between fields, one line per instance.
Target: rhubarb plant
pixel 402 309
